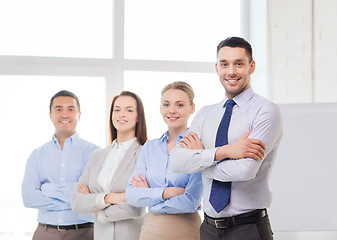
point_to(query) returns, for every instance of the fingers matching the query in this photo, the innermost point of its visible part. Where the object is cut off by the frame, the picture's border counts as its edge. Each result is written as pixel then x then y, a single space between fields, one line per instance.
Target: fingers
pixel 256 147
pixel 253 156
pixel 255 141
pixel 194 136
pixel 183 143
pixel 259 143
pixel 256 155
pixel 82 188
pixel 136 180
pixel 139 181
pixel 256 151
pixel 135 183
pixel 189 137
pixel 142 178
pixel 191 141
pixel 186 140
pixel 247 134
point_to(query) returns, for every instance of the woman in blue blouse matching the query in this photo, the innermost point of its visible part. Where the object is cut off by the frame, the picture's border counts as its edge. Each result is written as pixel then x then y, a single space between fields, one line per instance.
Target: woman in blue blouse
pixel 173 198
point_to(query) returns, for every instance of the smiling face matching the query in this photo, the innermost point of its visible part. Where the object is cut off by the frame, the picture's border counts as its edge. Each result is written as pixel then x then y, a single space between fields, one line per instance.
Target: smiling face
pixel 65 115
pixel 124 116
pixel 176 108
pixel 234 70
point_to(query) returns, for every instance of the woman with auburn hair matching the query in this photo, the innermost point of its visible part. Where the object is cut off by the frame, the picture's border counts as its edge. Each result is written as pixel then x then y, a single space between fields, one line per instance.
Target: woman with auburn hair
pixel 173 198
pixel 101 188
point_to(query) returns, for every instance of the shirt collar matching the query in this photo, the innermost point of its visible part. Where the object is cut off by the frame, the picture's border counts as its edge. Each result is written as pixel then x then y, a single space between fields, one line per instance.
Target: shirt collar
pixel 123 145
pixel 242 98
pixel 73 139
pixel 164 137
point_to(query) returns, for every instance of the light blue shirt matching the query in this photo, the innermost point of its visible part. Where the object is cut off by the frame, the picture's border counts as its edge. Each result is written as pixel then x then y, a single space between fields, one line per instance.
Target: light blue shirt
pixel 50 178
pixel 250 188
pixel 153 164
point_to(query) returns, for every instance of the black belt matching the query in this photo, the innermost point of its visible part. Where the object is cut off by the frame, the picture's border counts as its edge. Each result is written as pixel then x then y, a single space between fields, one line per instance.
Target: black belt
pixel 244 218
pixel 68 227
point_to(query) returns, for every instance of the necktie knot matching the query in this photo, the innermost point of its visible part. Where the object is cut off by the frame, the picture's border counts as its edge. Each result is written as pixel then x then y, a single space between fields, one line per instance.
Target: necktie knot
pixel 230 103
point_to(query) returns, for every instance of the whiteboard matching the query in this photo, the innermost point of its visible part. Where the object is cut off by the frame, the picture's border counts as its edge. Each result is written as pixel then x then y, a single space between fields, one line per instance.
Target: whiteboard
pixel 304 178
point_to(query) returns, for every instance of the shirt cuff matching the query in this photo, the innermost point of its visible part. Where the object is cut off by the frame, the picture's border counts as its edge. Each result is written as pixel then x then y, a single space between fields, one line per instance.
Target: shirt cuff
pixel 158 194
pixel 46 189
pixel 100 203
pixel 208 157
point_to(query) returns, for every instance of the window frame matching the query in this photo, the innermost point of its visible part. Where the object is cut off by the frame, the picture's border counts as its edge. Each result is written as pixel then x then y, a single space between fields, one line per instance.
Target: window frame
pixel 110 69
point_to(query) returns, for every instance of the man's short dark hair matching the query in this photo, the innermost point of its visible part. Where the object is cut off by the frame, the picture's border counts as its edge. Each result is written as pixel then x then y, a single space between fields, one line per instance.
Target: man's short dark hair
pixel 64 93
pixel 234 42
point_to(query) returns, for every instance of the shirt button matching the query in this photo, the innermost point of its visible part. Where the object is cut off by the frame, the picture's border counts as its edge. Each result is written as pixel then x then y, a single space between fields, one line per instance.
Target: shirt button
pixel 62 179
pixel 62 164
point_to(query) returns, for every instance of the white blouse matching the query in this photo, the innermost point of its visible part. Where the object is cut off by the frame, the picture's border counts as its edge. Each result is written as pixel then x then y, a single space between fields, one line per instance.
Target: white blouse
pixel 112 160
pixel 115 155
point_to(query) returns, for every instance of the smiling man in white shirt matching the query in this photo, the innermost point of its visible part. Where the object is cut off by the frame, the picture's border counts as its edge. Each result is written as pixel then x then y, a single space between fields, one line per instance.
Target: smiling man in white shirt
pixel 241 166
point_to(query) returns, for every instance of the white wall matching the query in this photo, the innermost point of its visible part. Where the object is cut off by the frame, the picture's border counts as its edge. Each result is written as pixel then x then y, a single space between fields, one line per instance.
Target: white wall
pixel 303 50
pixel 302 53
pixel 325 51
pixel 303 180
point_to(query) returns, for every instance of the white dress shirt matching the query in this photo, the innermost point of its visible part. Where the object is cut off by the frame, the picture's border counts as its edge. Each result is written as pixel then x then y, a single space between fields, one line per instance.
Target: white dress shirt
pixel 250 189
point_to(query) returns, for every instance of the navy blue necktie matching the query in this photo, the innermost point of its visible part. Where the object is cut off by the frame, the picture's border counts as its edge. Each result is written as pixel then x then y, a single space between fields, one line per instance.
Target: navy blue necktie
pixel 221 191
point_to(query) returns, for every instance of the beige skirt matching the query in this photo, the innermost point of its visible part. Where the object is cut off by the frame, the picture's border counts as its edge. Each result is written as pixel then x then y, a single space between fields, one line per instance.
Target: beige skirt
pixel 159 226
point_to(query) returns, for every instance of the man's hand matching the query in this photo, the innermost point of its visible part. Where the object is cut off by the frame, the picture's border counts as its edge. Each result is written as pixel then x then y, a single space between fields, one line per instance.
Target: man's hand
pixel 243 148
pixel 139 181
pixel 191 141
pixel 82 188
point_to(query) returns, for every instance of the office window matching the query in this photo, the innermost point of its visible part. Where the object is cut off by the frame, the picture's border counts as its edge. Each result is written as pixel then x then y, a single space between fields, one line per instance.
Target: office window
pixel 148 85
pixel 49 31
pixel 25 125
pixel 56 28
pixel 179 30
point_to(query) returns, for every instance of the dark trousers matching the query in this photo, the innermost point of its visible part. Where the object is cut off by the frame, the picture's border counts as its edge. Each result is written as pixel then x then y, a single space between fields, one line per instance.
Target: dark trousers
pixel 45 233
pixel 260 230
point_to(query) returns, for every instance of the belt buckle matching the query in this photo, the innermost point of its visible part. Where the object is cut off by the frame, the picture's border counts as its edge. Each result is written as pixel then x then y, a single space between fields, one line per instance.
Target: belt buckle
pixel 59 229
pixel 216 222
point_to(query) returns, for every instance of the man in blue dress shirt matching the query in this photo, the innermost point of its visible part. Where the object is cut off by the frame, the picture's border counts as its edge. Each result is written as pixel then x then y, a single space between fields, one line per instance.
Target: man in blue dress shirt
pixel 241 167
pixel 52 172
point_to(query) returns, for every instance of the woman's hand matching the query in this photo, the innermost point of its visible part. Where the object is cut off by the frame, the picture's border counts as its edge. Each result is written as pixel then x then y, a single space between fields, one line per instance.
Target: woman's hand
pixel 139 181
pixel 82 188
pixel 114 198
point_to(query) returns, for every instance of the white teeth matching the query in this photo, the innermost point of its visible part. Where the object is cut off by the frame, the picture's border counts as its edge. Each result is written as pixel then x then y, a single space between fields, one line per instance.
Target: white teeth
pixel 232 80
pixel 64 121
